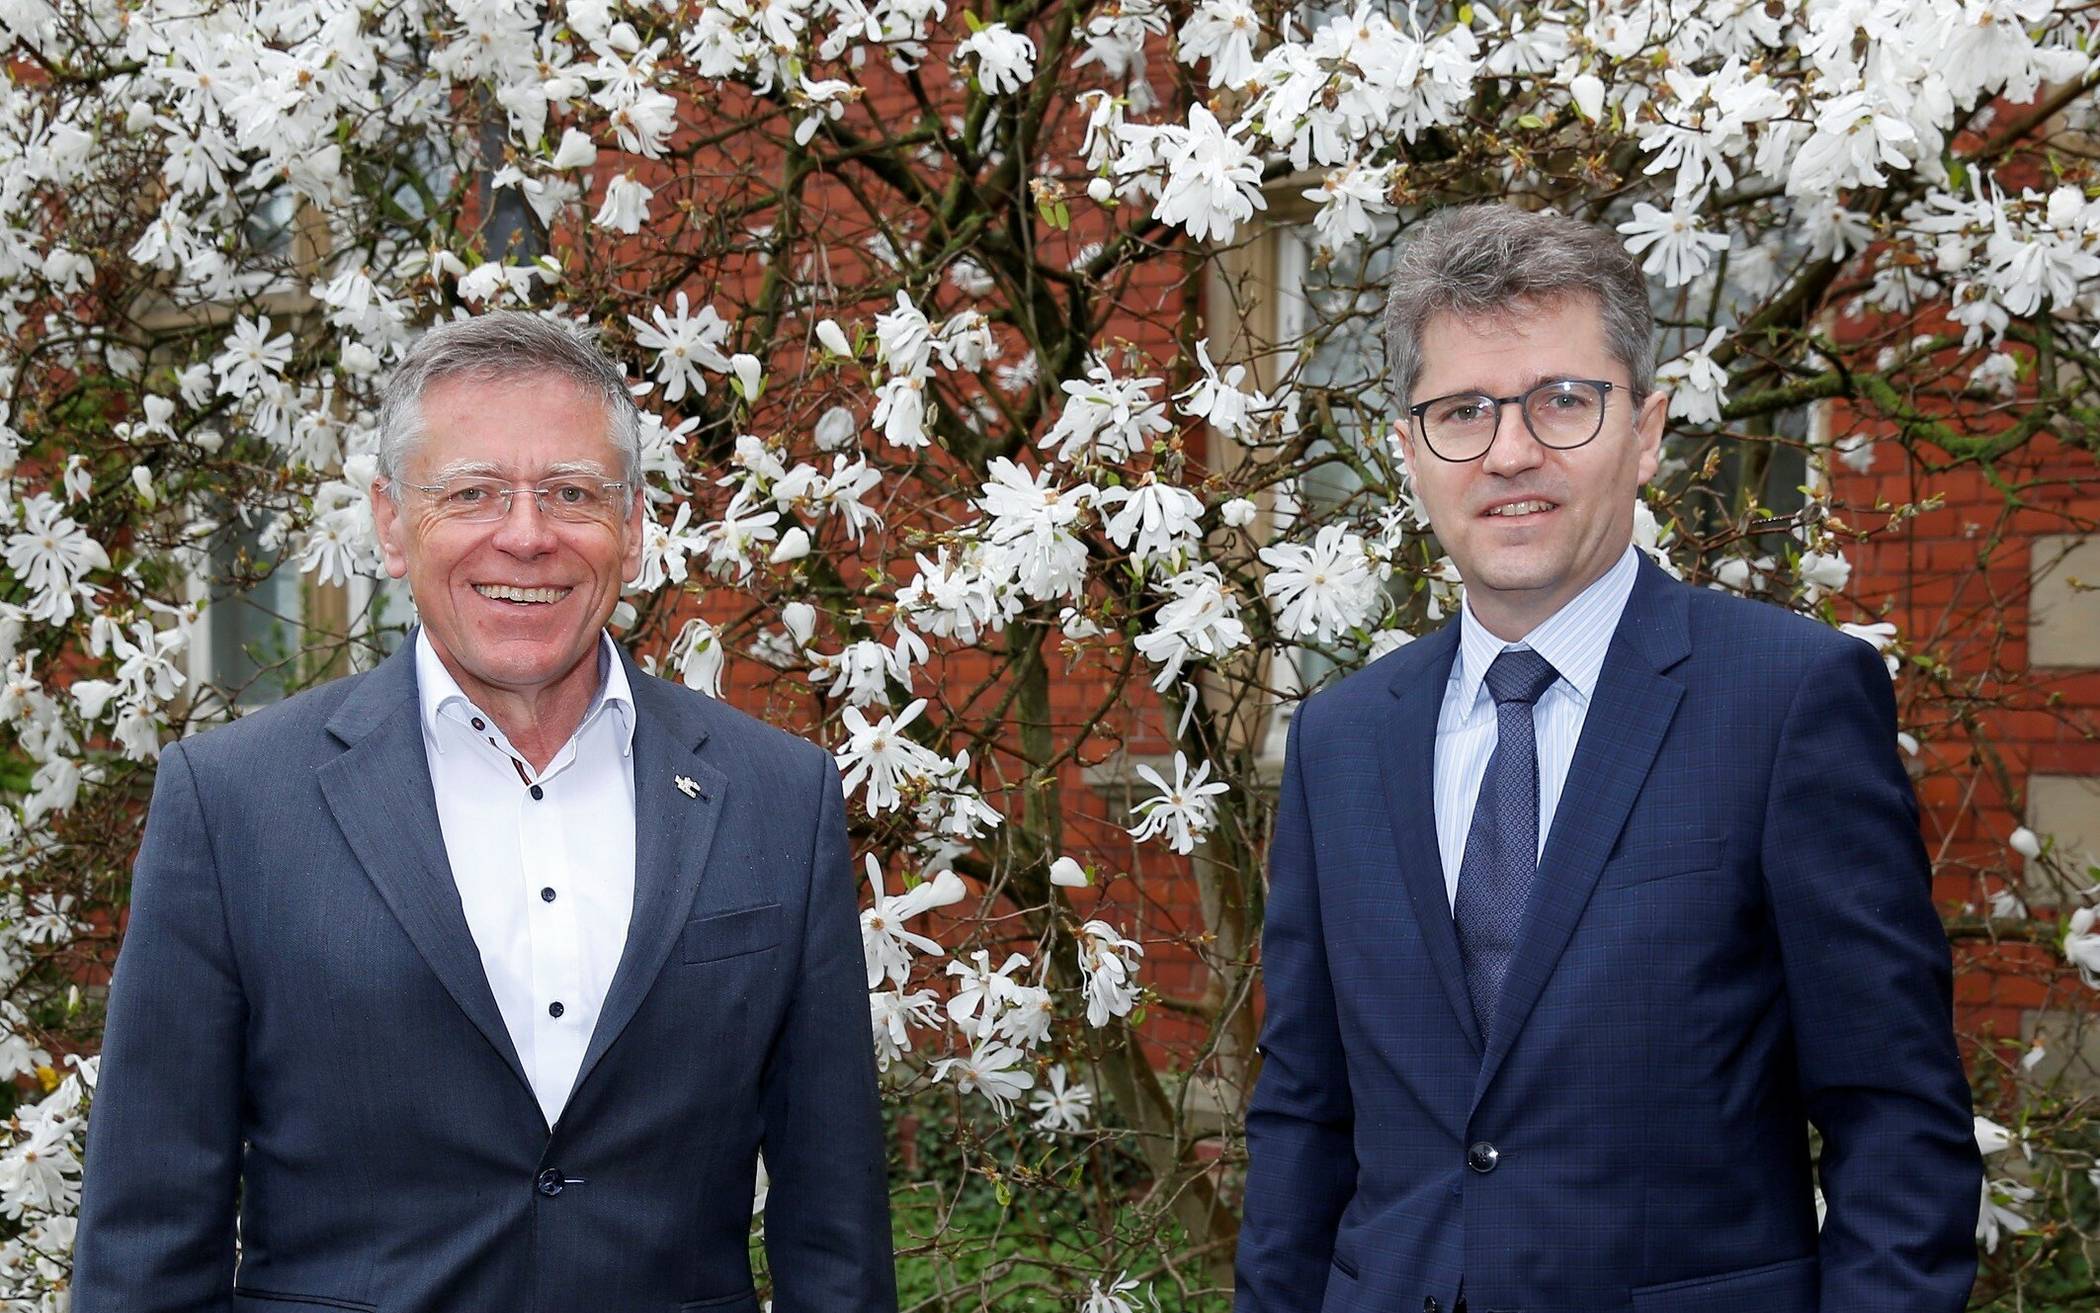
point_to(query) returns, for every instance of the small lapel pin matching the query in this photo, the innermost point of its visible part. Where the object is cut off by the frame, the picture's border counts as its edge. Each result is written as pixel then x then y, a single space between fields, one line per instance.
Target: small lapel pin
pixel 687 787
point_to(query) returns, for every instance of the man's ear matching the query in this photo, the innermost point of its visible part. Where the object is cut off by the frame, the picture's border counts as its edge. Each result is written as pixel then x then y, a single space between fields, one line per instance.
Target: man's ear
pixel 1404 436
pixel 1648 428
pixel 387 518
pixel 631 558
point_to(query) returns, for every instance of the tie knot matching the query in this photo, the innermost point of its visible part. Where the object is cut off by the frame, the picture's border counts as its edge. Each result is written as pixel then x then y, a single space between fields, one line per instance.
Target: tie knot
pixel 1520 676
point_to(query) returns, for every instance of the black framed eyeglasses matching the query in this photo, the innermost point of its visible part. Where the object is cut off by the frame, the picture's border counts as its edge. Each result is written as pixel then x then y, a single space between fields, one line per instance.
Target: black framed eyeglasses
pixel 1562 413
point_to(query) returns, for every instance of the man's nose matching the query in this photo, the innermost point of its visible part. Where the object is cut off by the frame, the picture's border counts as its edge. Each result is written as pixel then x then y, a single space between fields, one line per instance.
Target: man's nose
pixel 1513 449
pixel 525 529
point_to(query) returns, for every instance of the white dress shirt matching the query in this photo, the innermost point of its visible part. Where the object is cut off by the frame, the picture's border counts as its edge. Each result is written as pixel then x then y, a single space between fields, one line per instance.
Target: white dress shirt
pixel 544 861
pixel 1574 640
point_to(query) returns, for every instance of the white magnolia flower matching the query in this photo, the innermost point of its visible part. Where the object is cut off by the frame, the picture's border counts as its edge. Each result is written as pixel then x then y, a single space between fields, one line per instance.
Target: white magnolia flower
pixel 1068 874
pixel 982 992
pixel 1183 811
pixel 1108 964
pixel 2025 843
pixel 1995 1217
pixel 2082 945
pixel 894 1014
pixel 253 361
pixel 1698 387
pixel 835 428
pixel 1151 520
pixel 1824 572
pixel 1026 1016
pixel 1112 1298
pixel 576 151
pixel 1991 1137
pixel 40 1171
pixel 1059 1106
pixel 1199 620
pixel 1005 58
pixel 1351 201
pixel 626 205
pixel 1322 591
pixel 1106 418
pixel 1213 180
pixel 833 338
pixel 957 598
pixel 1880 636
pixel 904 338
pixel 685 343
pixel 879 753
pixel 1678 245
pixel 696 654
pixel 1032 530
pixel 901 410
pixel 50 554
pixel 1223 32
pixel 734 541
pixel 997 1071
pixel 885 943
pixel 1220 399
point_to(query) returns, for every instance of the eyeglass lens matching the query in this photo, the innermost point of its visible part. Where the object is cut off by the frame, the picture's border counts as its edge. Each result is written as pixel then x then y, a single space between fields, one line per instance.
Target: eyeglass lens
pixel 1563 413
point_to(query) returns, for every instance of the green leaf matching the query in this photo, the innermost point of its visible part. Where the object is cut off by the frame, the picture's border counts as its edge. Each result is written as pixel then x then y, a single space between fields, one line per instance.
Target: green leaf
pixel 1532 121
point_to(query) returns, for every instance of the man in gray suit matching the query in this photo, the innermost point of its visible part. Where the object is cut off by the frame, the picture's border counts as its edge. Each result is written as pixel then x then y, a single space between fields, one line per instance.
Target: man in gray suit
pixel 476 984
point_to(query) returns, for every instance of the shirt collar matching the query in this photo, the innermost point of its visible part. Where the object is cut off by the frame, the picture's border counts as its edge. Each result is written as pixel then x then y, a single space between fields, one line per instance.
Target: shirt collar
pixel 439 694
pixel 1574 639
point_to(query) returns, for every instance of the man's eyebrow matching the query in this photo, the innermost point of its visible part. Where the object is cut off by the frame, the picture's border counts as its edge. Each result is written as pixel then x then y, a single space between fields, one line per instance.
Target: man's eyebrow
pixel 465 469
pixel 482 469
pixel 1531 381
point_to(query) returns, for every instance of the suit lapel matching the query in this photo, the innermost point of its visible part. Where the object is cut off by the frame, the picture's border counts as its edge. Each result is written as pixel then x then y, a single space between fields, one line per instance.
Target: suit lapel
pixel 1407 763
pixel 380 792
pixel 1629 714
pixel 673 830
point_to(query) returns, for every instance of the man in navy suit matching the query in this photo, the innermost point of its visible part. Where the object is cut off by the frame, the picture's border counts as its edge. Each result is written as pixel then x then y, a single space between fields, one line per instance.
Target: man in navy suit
pixel 477 983
pixel 1583 909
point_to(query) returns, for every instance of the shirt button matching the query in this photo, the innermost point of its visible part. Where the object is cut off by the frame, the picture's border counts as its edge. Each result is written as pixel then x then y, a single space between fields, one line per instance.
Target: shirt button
pixel 555 1009
pixel 478 723
pixel 549 1182
pixel 547 894
pixel 538 793
pixel 1482 1157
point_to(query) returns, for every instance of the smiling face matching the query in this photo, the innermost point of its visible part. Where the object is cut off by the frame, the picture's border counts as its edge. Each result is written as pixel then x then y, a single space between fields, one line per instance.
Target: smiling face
pixel 1529 526
pixel 513 606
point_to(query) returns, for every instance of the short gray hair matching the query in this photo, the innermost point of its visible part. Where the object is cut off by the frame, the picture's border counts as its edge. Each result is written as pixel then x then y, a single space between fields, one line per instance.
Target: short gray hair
pixel 505 345
pixel 1478 260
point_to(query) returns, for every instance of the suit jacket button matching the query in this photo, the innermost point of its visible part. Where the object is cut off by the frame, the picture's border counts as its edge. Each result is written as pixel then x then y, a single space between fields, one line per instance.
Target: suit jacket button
pixel 1482 1157
pixel 549 1182
pixel 1429 1304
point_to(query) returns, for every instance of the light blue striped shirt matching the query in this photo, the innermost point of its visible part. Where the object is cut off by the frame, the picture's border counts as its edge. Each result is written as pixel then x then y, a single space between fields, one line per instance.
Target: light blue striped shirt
pixel 1574 640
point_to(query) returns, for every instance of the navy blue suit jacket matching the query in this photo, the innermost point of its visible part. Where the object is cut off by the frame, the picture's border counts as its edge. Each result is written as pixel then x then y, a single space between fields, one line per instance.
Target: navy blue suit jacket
pixel 1731 938
pixel 300 1030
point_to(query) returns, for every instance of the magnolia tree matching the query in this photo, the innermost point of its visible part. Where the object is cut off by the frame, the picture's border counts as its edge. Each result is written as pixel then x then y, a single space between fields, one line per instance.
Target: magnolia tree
pixel 1014 424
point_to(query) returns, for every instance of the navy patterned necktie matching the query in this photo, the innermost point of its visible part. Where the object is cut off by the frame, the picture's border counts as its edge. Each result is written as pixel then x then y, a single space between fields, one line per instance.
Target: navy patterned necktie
pixel 1501 857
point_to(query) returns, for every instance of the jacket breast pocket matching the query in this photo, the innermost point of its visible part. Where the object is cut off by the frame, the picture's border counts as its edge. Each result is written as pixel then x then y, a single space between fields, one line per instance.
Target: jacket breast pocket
pixel 743 1302
pixel 1791 1285
pixel 279 1301
pixel 1646 862
pixel 718 935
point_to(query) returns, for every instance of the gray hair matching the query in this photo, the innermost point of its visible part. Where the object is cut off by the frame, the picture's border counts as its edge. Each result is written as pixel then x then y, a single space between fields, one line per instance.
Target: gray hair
pixel 505 345
pixel 1479 260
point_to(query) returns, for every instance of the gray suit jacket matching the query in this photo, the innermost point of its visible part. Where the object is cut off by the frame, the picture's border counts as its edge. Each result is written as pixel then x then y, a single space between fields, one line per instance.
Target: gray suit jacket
pixel 300 1031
